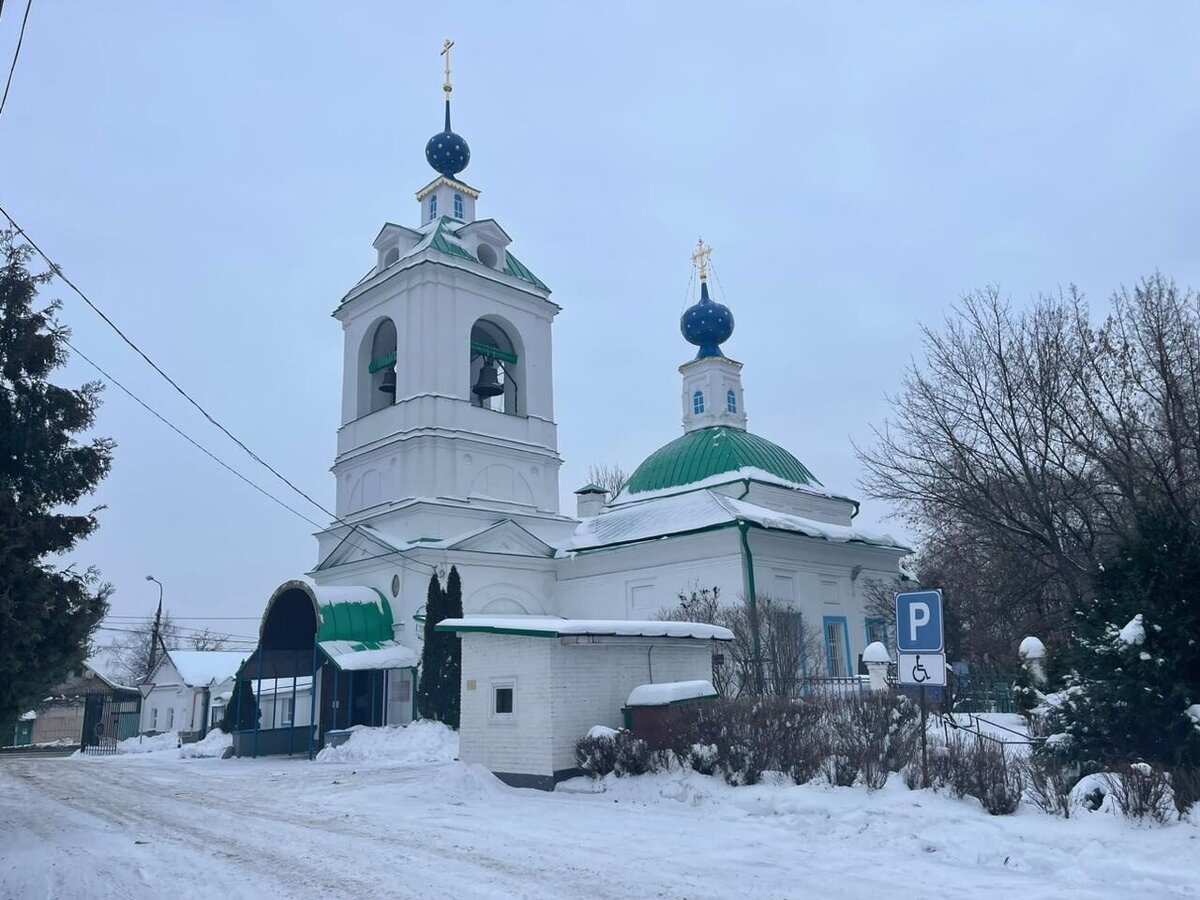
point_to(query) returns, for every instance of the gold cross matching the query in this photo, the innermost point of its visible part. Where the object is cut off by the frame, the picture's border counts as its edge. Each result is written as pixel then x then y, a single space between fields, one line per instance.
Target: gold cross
pixel 700 258
pixel 446 53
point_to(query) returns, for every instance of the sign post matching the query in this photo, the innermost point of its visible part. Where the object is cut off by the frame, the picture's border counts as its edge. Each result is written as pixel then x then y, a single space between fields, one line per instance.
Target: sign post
pixel 921 646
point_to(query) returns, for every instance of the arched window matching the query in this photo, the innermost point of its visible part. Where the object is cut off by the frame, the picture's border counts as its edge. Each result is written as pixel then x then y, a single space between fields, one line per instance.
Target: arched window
pixel 731 402
pixel 458 207
pixel 433 207
pixel 380 376
pixel 497 369
pixel 698 402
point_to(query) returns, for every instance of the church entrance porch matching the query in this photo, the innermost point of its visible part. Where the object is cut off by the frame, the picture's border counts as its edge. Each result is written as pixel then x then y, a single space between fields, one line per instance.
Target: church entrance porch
pixel 325 660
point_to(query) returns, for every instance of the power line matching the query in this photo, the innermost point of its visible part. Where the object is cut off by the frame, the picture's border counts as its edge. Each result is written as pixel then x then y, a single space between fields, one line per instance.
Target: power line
pixel 16 56
pixel 57 270
pixel 142 403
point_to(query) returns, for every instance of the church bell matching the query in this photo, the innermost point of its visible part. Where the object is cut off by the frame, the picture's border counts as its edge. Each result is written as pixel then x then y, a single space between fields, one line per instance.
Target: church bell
pixel 388 384
pixel 488 384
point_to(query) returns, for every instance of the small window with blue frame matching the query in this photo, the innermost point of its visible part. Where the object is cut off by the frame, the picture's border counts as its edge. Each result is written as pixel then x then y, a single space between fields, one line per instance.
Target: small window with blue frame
pixel 698 402
pixel 731 402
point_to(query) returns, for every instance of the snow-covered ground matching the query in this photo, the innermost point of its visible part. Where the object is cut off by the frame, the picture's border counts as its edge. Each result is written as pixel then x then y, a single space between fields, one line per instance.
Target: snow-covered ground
pixel 155 825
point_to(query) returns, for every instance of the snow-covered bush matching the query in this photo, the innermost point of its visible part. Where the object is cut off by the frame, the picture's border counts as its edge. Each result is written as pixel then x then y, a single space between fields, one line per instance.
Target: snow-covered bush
pixel 608 751
pixel 1141 791
pixel 976 768
pixel 847 740
pixel 1048 783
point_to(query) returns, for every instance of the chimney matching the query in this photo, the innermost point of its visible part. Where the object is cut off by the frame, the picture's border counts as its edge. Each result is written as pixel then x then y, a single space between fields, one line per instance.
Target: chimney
pixel 590 500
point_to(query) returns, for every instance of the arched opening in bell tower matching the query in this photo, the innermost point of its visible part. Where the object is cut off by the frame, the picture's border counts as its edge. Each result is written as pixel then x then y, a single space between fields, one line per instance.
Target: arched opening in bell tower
pixel 377 369
pixel 497 367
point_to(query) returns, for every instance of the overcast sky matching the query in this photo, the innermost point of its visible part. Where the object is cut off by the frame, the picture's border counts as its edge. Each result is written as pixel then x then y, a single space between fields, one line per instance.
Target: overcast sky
pixel 213 174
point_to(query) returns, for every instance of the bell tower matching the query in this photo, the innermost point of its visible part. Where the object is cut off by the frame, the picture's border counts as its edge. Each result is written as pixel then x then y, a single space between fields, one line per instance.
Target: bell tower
pixel 447 388
pixel 712 383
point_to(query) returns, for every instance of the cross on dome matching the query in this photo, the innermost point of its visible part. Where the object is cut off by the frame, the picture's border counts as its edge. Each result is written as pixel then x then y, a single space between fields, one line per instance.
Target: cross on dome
pixel 446 151
pixel 706 324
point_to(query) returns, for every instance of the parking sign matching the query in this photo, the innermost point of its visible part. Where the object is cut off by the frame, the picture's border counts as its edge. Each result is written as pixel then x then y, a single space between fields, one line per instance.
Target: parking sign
pixel 919 622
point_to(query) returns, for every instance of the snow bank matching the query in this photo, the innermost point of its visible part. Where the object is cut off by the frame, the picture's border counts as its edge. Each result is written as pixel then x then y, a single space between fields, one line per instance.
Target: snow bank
pixel 168 740
pixel 414 744
pixel 602 732
pixel 215 743
pixel 1134 631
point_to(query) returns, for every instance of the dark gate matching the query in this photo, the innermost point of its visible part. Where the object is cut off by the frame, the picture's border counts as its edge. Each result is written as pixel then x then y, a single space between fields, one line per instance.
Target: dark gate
pixel 107 719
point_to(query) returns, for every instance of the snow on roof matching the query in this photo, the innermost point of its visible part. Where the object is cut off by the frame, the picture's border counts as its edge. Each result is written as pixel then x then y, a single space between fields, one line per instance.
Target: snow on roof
pixel 669 692
pixel 198 668
pixel 29 715
pixel 698 510
pixel 106 663
pixel 745 473
pixel 876 652
pixel 1031 648
pixel 552 626
pixel 357 656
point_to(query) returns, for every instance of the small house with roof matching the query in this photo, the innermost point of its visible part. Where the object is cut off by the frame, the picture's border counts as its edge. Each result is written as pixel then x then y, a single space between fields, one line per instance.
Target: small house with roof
pixel 186 688
pixel 447 456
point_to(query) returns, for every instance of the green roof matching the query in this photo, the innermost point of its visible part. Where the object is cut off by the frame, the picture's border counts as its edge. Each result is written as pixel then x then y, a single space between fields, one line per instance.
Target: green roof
pixel 512 265
pixel 706 452
pixel 356 621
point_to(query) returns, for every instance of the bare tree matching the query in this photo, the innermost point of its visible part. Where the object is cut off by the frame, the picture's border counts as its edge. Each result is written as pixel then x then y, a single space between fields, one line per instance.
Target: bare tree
pixel 1029 443
pixel 131 651
pixel 611 477
pixel 207 639
pixel 789 647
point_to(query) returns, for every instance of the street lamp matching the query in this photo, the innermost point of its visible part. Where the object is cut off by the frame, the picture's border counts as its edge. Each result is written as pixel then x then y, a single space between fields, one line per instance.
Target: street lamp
pixel 154 634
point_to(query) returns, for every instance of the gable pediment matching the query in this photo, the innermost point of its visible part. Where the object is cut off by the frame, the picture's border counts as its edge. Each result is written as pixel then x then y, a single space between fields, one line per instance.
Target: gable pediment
pixel 506 538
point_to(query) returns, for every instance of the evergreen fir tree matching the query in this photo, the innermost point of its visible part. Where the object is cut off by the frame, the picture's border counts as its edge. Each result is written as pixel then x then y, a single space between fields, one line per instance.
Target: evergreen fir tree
pixel 450 686
pixel 1136 665
pixel 429 690
pixel 242 712
pixel 47 612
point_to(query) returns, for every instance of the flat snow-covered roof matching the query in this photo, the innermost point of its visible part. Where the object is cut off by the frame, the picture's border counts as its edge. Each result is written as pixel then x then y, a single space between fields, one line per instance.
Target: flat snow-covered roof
pixel 552 626
pixel 669 692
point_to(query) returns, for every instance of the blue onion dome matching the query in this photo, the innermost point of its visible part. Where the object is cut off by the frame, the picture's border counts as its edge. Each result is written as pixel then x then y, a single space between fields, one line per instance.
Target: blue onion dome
pixel 446 151
pixel 706 324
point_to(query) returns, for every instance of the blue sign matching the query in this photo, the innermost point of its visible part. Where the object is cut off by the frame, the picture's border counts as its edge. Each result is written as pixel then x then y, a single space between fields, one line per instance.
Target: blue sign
pixel 919 622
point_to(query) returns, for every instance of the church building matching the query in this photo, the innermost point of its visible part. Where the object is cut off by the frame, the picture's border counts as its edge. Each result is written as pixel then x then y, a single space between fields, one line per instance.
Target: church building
pixel 447 455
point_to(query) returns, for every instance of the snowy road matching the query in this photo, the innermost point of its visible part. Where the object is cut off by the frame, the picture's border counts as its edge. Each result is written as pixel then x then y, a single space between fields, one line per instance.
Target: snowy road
pixel 159 827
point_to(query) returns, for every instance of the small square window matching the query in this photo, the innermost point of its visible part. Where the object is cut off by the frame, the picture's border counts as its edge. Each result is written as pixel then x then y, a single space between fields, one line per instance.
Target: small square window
pixel 503 702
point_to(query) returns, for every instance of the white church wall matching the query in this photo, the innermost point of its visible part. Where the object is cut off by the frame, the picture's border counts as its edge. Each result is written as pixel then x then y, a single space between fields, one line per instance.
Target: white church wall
pixel 638 580
pixel 592 681
pixel 826 580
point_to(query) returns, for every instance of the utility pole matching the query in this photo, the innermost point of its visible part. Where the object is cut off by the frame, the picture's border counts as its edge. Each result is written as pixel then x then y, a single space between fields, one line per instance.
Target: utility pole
pixel 155 637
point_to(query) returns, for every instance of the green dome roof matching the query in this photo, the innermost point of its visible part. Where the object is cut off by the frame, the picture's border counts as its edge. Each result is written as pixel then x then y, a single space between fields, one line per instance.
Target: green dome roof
pixel 712 451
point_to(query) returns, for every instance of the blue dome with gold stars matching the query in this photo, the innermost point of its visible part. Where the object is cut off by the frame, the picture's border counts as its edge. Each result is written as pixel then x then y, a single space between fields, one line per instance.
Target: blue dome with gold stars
pixel 446 151
pixel 706 324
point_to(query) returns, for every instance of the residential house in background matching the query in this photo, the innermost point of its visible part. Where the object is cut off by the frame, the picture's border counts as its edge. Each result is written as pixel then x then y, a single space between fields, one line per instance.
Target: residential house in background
pixel 184 689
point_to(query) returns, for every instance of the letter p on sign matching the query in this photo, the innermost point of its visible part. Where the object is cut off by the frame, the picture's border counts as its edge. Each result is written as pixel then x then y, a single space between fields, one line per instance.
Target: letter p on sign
pixel 919 622
pixel 918 615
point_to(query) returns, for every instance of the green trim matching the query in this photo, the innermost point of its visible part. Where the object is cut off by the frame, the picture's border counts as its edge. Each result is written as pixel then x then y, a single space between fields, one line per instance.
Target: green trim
pixel 752 594
pixel 382 362
pixel 484 629
pixel 515 268
pixel 481 349
pixel 714 450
